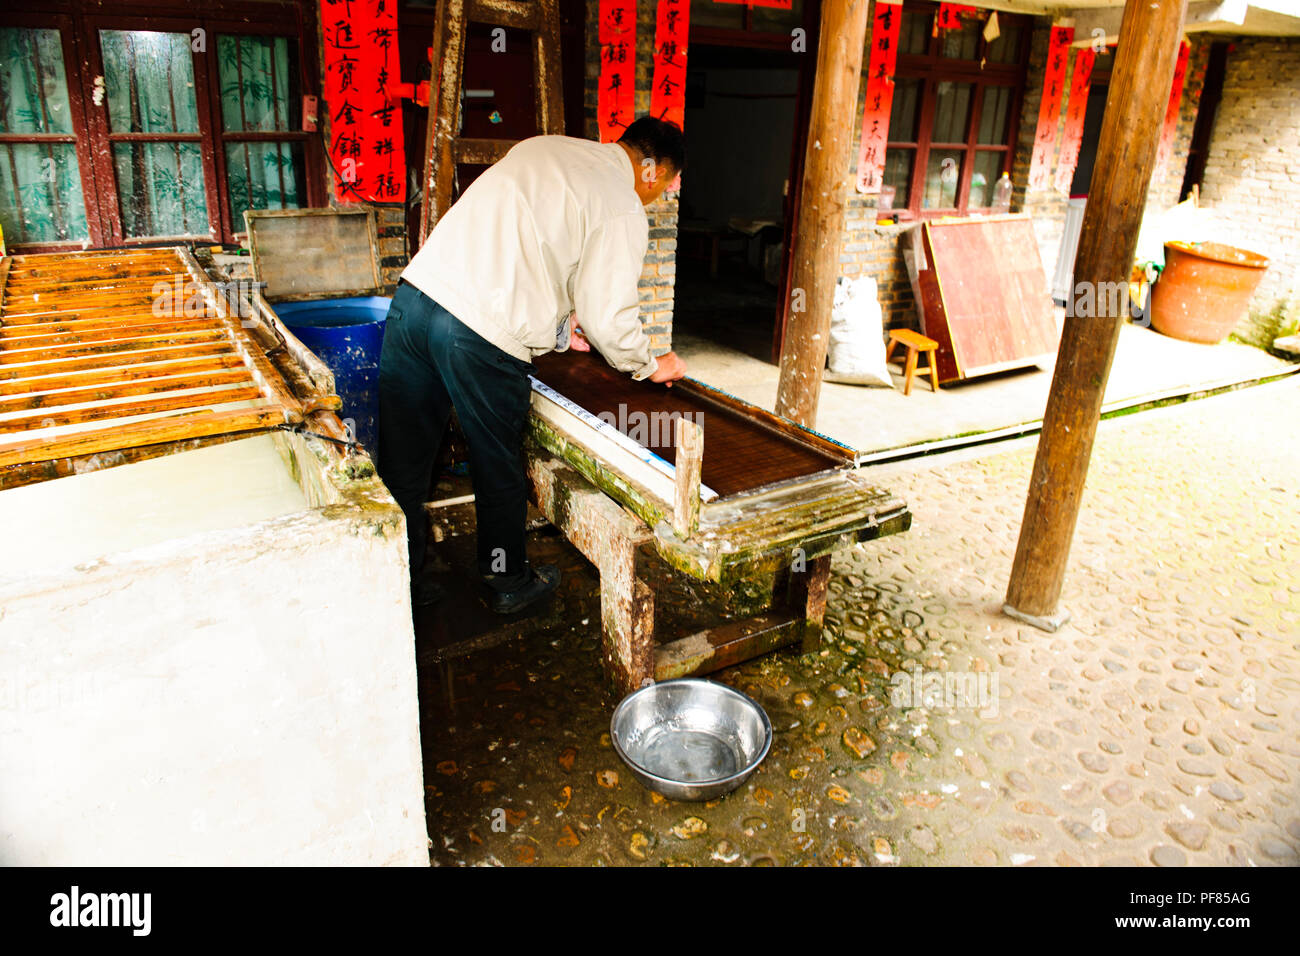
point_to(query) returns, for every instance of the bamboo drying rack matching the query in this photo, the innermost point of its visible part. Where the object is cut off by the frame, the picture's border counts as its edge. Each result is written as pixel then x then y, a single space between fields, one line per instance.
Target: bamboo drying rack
pixel 90 362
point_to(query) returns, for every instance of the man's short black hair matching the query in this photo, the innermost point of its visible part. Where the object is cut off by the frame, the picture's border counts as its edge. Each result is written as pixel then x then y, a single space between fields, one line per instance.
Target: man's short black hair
pixel 661 140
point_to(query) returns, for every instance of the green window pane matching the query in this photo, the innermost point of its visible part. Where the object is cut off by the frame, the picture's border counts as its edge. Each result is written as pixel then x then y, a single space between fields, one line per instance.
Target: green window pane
pixel 962 44
pixel 33 85
pixel 905 111
pixel 1006 48
pixel 995 116
pixel 40 193
pixel 259 83
pixel 264 176
pixel 898 175
pixel 942 174
pixel 984 176
pixel 951 111
pixel 161 189
pixel 149 79
pixel 914 33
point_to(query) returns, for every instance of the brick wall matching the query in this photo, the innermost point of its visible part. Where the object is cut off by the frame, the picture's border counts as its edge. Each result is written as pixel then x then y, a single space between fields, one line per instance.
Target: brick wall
pixel 1045 206
pixel 876 250
pixel 1252 181
pixel 869 249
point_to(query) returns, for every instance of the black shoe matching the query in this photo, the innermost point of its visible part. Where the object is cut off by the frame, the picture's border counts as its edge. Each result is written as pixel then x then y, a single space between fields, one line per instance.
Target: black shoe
pixel 546 578
pixel 426 592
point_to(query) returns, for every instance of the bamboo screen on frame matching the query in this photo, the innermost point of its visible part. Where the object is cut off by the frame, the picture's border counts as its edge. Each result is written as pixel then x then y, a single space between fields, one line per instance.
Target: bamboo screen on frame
pixel 109 350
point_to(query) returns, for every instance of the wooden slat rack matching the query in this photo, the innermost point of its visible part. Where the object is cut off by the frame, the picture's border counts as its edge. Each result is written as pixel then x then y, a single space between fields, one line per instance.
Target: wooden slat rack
pixel 113 350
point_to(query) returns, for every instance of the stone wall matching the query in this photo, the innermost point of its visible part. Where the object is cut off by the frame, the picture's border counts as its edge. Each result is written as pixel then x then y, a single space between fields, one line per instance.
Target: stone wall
pixel 1252 181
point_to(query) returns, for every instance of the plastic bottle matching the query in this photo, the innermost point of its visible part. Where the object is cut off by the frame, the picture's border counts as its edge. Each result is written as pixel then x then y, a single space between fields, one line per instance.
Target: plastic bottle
pixel 1002 195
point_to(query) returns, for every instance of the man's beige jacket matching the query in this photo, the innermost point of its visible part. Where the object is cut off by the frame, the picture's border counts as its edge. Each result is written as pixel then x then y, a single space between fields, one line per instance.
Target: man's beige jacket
pixel 554 229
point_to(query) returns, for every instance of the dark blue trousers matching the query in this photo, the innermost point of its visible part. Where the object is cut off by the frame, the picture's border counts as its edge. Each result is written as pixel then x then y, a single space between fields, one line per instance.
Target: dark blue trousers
pixel 430 363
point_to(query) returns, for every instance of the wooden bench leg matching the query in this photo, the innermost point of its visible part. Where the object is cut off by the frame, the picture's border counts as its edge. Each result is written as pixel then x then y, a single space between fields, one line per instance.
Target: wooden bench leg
pixel 609 538
pixel 889 350
pixel 910 371
pixel 808 594
pixel 934 374
pixel 627 620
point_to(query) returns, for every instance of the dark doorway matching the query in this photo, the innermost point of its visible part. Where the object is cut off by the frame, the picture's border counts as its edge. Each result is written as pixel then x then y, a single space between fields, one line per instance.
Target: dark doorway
pixel 1100 85
pixel 741 111
pixel 1208 108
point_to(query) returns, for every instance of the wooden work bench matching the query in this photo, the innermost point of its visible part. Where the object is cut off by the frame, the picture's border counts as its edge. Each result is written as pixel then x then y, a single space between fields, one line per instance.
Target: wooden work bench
pixel 767 546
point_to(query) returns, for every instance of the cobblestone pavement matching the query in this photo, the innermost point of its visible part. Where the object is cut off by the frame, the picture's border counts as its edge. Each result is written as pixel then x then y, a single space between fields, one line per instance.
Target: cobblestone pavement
pixel 1161 726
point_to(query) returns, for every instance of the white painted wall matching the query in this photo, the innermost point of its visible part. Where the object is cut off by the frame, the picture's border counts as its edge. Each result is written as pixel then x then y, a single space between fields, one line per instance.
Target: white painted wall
pixel 238 696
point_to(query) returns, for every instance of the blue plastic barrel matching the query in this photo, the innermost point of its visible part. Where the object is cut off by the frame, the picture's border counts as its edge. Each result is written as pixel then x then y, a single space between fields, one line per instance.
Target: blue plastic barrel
pixel 347 335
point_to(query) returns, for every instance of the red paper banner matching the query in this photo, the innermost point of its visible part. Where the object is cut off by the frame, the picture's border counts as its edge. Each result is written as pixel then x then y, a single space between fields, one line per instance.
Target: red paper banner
pixel 885 22
pixel 950 14
pixel 360 61
pixel 1072 139
pixel 616 96
pixel 1049 110
pixel 1170 129
pixel 774 4
pixel 668 94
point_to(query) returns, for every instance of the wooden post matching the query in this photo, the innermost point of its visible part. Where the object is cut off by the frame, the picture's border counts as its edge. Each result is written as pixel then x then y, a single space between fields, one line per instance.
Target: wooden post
pixel 816 253
pixel 1126 152
pixel 690 459
pixel 444 112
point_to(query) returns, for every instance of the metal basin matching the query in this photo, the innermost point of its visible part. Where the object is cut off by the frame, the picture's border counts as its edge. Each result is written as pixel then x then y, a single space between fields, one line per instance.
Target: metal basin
pixel 690 739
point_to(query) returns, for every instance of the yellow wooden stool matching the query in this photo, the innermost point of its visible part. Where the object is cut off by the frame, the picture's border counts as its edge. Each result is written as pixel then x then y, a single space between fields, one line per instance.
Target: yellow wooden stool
pixel 914 342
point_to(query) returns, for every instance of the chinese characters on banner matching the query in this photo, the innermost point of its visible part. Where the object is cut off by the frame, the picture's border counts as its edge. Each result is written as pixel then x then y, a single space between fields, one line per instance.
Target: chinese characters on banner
pixel 668 95
pixel 1171 113
pixel 1049 110
pixel 950 14
pixel 885 22
pixel 1074 112
pixel 615 99
pixel 360 61
pixel 774 4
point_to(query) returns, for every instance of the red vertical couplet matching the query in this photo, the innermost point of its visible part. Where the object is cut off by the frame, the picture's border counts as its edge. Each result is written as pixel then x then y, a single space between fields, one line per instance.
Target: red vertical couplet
pixel 1075 109
pixel 950 14
pixel 885 22
pixel 360 61
pixel 1170 129
pixel 615 100
pixel 1049 109
pixel 668 94
pixel 774 4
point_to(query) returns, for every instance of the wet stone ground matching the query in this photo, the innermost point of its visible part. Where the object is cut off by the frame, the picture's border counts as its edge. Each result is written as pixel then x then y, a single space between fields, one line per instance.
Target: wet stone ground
pixel 1160 727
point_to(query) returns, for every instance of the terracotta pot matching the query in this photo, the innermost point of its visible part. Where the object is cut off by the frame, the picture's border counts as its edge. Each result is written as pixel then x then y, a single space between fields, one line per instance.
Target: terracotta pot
pixel 1204 290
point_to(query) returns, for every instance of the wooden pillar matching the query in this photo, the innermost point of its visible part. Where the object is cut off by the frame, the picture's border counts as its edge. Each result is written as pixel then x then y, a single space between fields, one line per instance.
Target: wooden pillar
pixel 1130 131
pixel 815 260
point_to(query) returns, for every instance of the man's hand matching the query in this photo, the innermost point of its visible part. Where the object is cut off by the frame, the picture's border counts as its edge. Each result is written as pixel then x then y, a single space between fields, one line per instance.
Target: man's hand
pixel 577 341
pixel 670 369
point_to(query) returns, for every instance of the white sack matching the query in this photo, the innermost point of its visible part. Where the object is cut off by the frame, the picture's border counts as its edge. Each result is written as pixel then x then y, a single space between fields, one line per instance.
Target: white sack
pixel 856 355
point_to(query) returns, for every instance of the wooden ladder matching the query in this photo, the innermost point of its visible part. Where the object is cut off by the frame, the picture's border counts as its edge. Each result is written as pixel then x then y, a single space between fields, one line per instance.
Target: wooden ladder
pixel 444 146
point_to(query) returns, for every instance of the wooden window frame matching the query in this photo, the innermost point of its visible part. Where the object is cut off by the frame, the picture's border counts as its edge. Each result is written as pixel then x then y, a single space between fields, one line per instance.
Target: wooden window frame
pixel 79 23
pixel 72 67
pixel 314 185
pixel 932 69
